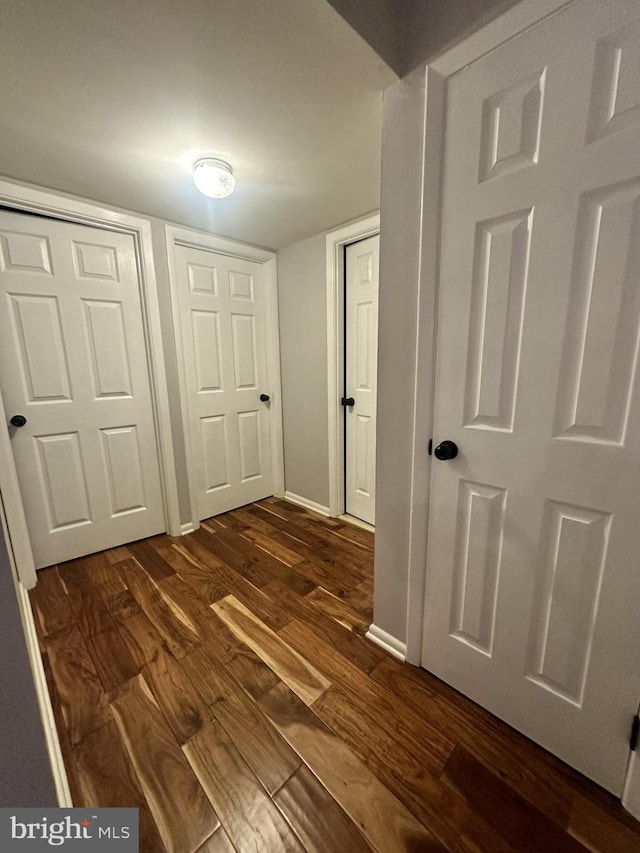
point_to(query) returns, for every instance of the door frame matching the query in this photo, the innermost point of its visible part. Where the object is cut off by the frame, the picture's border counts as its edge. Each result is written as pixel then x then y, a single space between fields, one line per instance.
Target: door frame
pixel 423 189
pixel 34 200
pixel 177 235
pixel 336 242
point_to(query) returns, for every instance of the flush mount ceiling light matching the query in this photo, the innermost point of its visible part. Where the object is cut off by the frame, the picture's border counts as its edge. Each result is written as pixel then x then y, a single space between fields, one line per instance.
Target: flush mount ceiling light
pixel 213 177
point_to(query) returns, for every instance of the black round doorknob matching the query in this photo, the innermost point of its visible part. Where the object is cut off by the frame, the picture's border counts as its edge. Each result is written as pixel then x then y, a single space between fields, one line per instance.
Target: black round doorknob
pixel 446 450
pixel 18 420
pixel 264 398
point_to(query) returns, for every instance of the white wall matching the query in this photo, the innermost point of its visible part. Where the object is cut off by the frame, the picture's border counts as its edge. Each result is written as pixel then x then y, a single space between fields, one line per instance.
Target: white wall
pixel 302 305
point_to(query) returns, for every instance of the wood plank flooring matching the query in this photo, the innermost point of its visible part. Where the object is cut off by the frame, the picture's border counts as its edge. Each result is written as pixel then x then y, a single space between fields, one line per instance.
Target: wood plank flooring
pixel 221 683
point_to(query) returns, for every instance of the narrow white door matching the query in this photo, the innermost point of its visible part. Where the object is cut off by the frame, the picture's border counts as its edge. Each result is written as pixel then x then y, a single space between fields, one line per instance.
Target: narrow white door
pixel 223 327
pixel 73 363
pixel 361 369
pixel 533 581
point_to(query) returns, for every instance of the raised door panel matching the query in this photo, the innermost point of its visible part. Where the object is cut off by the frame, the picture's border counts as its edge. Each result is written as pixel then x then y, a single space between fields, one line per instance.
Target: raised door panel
pixel 241 286
pixel 476 567
pixel 123 465
pixel 63 480
pixel 202 278
pixel 40 348
pixel 104 327
pixel 366 347
pixel 215 452
pixel 363 479
pixel 95 262
pixel 249 441
pixel 498 296
pixel 615 98
pixel 511 121
pixel 573 550
pixel 244 352
pixel 26 253
pixel 602 331
pixel 207 348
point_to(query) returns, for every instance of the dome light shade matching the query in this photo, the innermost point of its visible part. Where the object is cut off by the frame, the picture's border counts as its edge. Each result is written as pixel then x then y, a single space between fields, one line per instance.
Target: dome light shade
pixel 213 178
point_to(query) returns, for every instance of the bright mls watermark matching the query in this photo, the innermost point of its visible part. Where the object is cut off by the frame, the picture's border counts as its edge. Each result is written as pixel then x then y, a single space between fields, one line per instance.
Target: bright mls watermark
pixel 104 830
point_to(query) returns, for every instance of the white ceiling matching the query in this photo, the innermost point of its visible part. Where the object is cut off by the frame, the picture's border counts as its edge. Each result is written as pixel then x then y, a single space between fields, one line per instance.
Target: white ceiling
pixel 112 100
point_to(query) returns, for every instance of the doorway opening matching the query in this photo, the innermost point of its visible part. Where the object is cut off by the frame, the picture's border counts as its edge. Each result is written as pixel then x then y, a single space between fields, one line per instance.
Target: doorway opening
pixel 352 283
pixel 49 208
pixel 75 380
pixel 361 261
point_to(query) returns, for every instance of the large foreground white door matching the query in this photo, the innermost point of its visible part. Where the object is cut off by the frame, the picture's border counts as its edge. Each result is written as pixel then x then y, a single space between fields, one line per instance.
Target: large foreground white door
pixel 223 329
pixel 533 581
pixel 361 369
pixel 73 364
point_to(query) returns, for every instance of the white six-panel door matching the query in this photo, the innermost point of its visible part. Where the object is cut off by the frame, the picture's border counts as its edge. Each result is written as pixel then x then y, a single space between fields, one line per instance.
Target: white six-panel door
pixel 223 329
pixel 361 368
pixel 73 362
pixel 533 579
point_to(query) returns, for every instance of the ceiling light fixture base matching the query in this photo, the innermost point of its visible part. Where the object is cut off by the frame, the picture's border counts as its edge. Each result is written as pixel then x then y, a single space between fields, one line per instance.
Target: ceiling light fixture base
pixel 213 177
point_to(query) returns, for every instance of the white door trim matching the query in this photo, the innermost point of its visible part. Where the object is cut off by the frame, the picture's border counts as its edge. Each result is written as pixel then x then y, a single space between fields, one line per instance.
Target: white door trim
pixel 336 241
pixel 12 512
pixel 428 253
pixel 32 200
pixel 222 246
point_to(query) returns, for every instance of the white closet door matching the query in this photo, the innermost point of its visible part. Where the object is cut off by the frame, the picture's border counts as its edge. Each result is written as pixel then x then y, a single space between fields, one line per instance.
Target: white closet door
pixel 361 361
pixel 223 329
pixel 533 587
pixel 73 362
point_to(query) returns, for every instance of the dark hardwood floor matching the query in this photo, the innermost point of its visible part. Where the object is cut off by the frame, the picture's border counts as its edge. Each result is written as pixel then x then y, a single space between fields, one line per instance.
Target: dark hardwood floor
pixel 221 683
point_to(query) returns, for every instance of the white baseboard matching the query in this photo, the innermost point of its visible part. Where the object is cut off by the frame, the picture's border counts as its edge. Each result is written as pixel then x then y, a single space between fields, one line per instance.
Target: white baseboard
pixel 44 701
pixel 390 644
pixel 188 528
pixel 306 503
pixel 357 522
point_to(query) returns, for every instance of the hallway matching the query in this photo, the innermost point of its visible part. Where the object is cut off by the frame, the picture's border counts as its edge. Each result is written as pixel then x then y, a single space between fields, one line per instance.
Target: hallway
pixel 221 683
